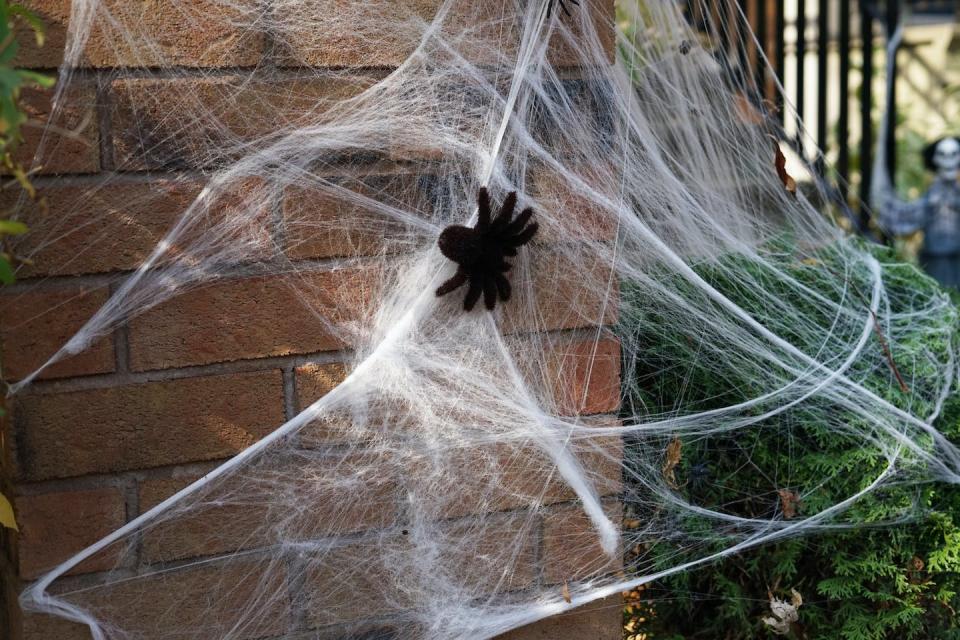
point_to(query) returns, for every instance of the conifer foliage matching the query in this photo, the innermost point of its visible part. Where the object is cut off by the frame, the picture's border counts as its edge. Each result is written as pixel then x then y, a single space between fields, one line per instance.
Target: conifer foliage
pixel 895 574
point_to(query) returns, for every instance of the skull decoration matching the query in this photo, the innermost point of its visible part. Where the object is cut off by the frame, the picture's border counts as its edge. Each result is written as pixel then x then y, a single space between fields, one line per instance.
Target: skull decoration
pixel 936 213
pixel 943 156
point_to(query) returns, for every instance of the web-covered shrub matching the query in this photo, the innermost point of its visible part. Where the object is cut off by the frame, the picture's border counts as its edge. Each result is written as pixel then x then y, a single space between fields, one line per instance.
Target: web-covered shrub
pixel 895 574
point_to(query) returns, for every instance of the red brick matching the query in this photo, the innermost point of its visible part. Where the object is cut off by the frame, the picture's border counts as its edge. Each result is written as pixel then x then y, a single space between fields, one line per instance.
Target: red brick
pixel 35 324
pixel 55 526
pixel 491 555
pixel 145 425
pixel 347 494
pixel 116 225
pixel 74 146
pixel 217 601
pixel 243 599
pixel 599 620
pixel 317 380
pixel 585 376
pixel 55 15
pixel 46 627
pixel 205 33
pixel 568 51
pixel 343 582
pixel 209 528
pixel 559 291
pixel 112 227
pixel 578 376
pixel 480 479
pixel 580 219
pixel 221 114
pixel 361 630
pixel 571 545
pixel 357 39
pixel 319 223
pixel 251 318
pixel 383 415
pixel 350 583
pixel 196 33
pixel 313 381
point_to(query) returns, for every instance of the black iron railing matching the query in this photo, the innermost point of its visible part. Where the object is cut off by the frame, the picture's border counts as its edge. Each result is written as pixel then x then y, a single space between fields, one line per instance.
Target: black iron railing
pixel 855 32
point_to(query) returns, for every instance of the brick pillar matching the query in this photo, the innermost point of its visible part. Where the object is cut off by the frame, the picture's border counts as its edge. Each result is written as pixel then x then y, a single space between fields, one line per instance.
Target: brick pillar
pixel 106 434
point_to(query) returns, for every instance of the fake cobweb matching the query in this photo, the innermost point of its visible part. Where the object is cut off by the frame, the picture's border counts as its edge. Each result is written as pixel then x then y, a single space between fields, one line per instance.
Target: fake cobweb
pixel 471 472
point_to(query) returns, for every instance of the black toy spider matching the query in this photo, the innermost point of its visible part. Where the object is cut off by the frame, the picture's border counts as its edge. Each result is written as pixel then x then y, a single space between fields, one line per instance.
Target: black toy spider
pixel 562 5
pixel 480 251
pixel 697 475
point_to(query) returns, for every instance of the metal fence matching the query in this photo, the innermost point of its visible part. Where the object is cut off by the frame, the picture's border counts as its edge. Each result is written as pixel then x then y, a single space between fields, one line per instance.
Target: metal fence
pixel 841 44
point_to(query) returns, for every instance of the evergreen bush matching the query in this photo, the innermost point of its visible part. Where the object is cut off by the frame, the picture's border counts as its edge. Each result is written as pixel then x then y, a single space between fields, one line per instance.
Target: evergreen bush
pixel 895 574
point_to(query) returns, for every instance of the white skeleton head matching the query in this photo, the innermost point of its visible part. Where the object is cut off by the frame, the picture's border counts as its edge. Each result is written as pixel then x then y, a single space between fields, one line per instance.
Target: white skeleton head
pixel 946 157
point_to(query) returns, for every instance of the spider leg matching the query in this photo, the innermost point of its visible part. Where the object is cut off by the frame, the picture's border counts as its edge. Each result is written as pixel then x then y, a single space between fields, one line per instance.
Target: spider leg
pixel 564 7
pixel 506 212
pixel 483 209
pixel 524 237
pixel 453 283
pixel 549 7
pixel 490 292
pixel 503 286
pixel 519 222
pixel 473 293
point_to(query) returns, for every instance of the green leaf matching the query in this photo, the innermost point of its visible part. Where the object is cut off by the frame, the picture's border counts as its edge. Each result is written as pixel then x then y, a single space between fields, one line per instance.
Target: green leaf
pixel 7 276
pixel 39 29
pixel 6 514
pixel 39 79
pixel 10 81
pixel 8 48
pixel 13 227
pixel 24 180
pixel 10 115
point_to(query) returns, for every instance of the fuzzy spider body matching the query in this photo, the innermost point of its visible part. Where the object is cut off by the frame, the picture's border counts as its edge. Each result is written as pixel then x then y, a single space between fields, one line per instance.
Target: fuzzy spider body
pixel 481 251
pixel 697 475
pixel 562 4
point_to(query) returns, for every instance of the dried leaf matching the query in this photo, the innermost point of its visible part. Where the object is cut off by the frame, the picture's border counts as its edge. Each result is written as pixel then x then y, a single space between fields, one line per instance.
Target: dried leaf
pixel 780 162
pixel 785 613
pixel 673 454
pixel 789 501
pixel 566 593
pixel 796 598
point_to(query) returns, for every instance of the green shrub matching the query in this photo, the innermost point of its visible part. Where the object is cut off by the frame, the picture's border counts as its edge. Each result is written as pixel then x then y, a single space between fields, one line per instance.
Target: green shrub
pixel 12 119
pixel 871 582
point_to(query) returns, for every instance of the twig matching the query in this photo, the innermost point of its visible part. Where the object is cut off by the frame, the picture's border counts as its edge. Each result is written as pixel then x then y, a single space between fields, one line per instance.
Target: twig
pixel 882 338
pixel 886 352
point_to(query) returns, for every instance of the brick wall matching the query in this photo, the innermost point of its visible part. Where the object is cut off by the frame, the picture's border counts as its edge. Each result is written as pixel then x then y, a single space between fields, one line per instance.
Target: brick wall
pixel 106 434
